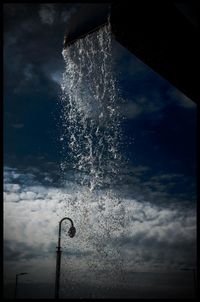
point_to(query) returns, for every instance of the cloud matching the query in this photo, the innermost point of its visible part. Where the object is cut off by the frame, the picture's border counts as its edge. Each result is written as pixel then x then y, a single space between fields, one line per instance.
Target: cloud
pixel 28 49
pixel 28 72
pixel 56 77
pixel 68 13
pixel 143 184
pixel 47 13
pixel 143 104
pixel 181 99
pixel 17 126
pixel 13 188
pixel 131 110
pixel 113 233
pixel 52 13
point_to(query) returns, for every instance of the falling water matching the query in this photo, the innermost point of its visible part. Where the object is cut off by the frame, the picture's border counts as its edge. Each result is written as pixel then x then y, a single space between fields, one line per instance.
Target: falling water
pixel 90 110
pixel 90 141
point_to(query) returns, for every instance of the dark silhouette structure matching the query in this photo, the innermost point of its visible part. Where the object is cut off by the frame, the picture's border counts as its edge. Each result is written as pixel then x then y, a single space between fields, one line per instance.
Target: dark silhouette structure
pixel 16 283
pixel 163 35
pixel 71 233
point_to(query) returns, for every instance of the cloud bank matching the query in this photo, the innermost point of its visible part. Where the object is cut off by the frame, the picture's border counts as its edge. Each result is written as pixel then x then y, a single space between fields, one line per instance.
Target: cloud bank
pixel 113 233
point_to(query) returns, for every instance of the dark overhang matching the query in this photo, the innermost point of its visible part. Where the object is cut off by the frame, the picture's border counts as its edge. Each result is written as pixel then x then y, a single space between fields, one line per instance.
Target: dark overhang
pixel 162 34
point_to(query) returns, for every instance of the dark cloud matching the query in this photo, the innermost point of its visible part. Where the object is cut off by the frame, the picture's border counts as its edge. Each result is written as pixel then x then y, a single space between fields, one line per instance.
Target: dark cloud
pixel 47 13
pixel 29 64
pixel 33 67
pixel 20 251
pixel 165 189
pixel 51 13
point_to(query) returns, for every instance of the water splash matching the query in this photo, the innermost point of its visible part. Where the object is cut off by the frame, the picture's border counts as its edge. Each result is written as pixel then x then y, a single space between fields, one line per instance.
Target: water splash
pixel 91 149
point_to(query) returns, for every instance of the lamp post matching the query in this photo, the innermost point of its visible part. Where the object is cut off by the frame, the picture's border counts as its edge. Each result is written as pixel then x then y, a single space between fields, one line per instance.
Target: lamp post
pixel 71 233
pixel 16 282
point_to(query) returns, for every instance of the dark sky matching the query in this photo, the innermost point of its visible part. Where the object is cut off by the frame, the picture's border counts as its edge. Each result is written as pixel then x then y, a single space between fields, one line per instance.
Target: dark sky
pixel 158 141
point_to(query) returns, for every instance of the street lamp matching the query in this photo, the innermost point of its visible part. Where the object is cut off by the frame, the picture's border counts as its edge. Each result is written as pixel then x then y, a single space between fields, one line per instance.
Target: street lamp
pixel 71 233
pixel 16 282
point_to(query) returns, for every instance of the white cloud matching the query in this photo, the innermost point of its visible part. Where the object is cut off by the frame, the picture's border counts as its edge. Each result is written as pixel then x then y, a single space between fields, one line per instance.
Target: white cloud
pixel 27 195
pixel 11 197
pixel 11 187
pixel 109 228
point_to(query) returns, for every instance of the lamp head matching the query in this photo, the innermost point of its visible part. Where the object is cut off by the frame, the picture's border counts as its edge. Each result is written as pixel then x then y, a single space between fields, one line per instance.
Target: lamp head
pixel 72 231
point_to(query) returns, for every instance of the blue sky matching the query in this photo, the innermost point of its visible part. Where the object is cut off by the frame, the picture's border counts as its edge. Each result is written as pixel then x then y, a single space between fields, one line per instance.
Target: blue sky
pixel 156 189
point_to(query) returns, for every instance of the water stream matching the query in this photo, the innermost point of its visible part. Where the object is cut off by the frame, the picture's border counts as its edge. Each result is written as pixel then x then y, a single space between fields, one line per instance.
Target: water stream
pixel 91 157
